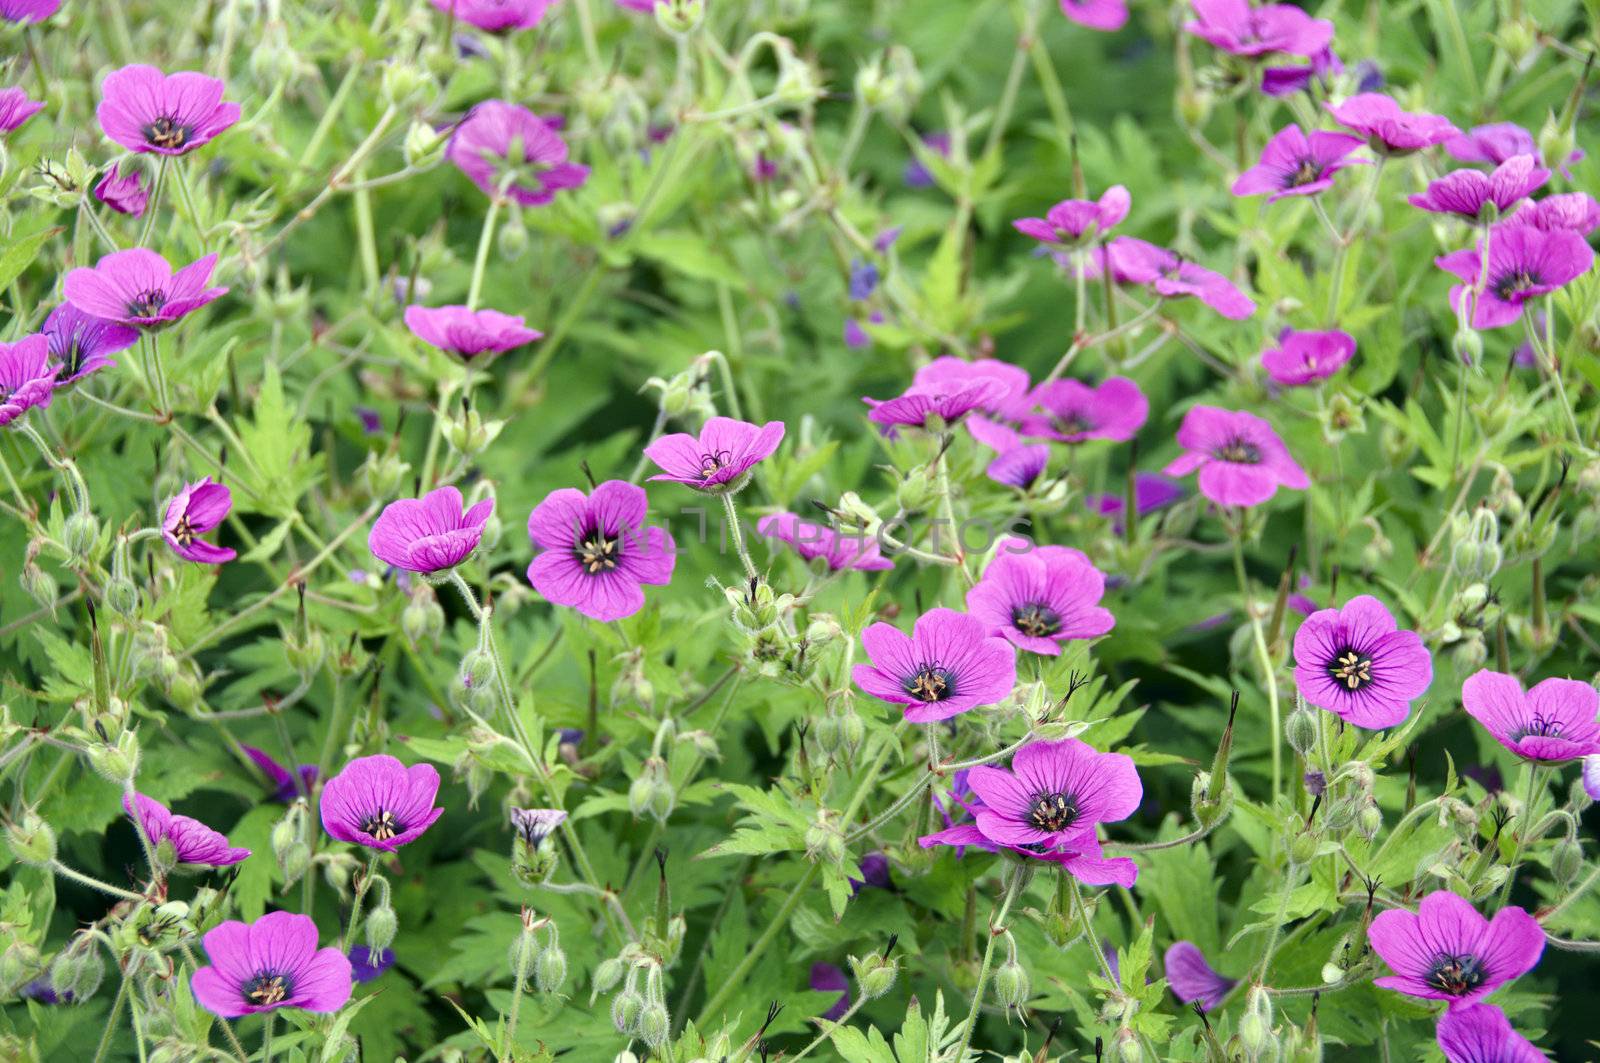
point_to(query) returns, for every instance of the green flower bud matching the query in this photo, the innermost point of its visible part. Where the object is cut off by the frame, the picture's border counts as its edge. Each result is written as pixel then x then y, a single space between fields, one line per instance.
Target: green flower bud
pixel 405 84
pixel 625 1011
pixel 122 597
pixel 470 434
pixel 550 969
pixel 40 586
pixel 655 1025
pixel 1566 861
pixel 20 964
pixel 1301 730
pixel 651 793
pixel 1369 821
pixel 512 239
pixel 680 17
pixel 383 473
pixel 875 974
pixel 606 976
pixel 381 927
pixel 423 148
pixel 1011 985
pixel 523 955
pixel 80 534
pixel 31 840
pixel 115 762
pixel 1556 140
pixel 1303 847
pixel 76 972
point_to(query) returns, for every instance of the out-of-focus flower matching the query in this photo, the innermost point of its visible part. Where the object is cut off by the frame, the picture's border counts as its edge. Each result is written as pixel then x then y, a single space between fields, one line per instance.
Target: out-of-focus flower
pixel 1307 357
pixel 1075 412
pixel 1389 129
pixel 1192 979
pixel 1294 164
pixel 16 108
pixel 495 16
pixel 1071 220
pixel 1106 15
pixel 839 550
pixel 1238 27
pixel 468 333
pixel 508 150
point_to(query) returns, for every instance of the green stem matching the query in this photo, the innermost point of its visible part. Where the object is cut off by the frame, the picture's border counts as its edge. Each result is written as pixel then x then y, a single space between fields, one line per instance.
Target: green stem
pixel 266 1037
pixel 112 1019
pixel 1264 658
pixel 736 535
pixel 355 905
pixel 151 209
pixel 736 980
pixel 1534 778
pixel 481 262
pixel 524 944
pixel 93 883
pixel 829 1027
pixel 996 927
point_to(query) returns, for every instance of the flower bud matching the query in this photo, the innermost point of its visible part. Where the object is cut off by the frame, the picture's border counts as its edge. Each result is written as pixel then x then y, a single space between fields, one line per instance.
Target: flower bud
pixel 680 17
pixel 405 84
pixel 512 239
pixel 1470 653
pixel 424 147
pixel 20 964
pixel 523 955
pixel 1301 730
pixel 1566 861
pixel 80 534
pixel 383 473
pixel 41 587
pixel 606 976
pixel 655 1025
pixel 1255 1027
pixel 625 1011
pixel 381 926
pixel 1556 140
pixel 31 840
pixel 652 793
pixel 823 841
pixel 1342 417
pixel 122 596
pixel 875 974
pixel 115 762
pixel 470 434
pixel 1303 847
pixel 1468 346
pixel 550 969
pixel 1369 821
pixel 1011 985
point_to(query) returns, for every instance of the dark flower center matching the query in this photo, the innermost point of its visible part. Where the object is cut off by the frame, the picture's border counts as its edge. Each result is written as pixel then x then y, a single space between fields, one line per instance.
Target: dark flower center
pixel 1456 975
pixel 598 552
pixel 147 303
pixel 711 463
pixel 1540 726
pixel 72 358
pixel 1073 424
pixel 382 825
pixel 267 988
pixel 1306 173
pixel 1036 620
pixel 167 132
pixel 931 683
pixel 1513 284
pixel 1052 812
pixel 184 532
pixel 5 393
pixel 1240 451
pixel 1352 668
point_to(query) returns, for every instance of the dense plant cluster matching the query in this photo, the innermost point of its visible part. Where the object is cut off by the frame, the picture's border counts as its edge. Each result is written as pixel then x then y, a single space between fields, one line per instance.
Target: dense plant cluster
pixel 1054 530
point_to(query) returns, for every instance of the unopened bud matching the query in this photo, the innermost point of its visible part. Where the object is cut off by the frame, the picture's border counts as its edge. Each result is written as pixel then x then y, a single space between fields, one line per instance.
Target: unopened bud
pixel 31 840
pixel 80 534
pixel 1566 860
pixel 523 956
pixel 625 1011
pixel 1301 730
pixel 424 147
pixel 115 762
pixel 1011 985
pixel 655 1025
pixel 381 927
pixel 550 969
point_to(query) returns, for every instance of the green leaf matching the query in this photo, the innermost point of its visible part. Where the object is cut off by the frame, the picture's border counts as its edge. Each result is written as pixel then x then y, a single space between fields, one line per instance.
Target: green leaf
pixel 20 253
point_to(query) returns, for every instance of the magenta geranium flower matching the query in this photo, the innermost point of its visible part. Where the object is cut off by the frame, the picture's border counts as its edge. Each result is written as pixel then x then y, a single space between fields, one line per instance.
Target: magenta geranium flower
pixel 1097 14
pixel 1071 220
pixel 1242 461
pixel 484 143
pixel 949 664
pixel 1307 357
pixel 1552 723
pixel 596 550
pixel 838 549
pixel 1498 141
pixel 27 379
pixel 271 963
pixel 719 459
pixel 534 825
pixel 1357 664
pixel 193 512
pixel 947 400
pixel 468 333
pixel 1389 129
pixel 1039 599
pixel 1192 979
pixel 495 16
pixel 428 534
pixel 16 108
pixel 1019 466
pixel 1576 211
pixel 123 191
pixel 1135 261
pixel 1008 399
pixel 1468 192
pixel 1525 262
pixel 81 343
pixel 193 843
pixel 1481 1033
pixel 1235 26
pixel 145 110
pixel 26 11
pixel 380 803
pixel 286 784
pixel 1294 164
pixel 1288 80
pixel 1075 412
pixel 138 287
pixel 1150 493
pixel 1447 951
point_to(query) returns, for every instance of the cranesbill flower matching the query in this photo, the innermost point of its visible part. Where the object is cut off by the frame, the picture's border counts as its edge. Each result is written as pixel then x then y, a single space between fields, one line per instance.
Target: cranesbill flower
pixel 1525 262
pixel 380 803
pixel 826 978
pixel 26 11
pixel 286 784
pixel 27 379
pixel 1040 599
pixel 1192 979
pixel 1467 192
pixel 145 110
pixel 719 459
pixel 1008 399
pixel 138 287
pixel 863 280
pixel 1307 357
pixel 495 16
pixel 1357 664
pixel 1552 723
pixel 1237 27
pixel 596 550
pixel 123 191
pixel 948 664
pixel 947 401
pixel 1135 261
pixel 534 825
pixel 1388 129
pixel 1071 220
pixel 365 964
pixel 1019 466
pixel 1591 776
pixel 838 549
pixel 856 336
pixel 1150 493
pixel 1499 141
pixel 467 333
pixel 874 872
pixel 428 534
pixel 81 343
pixel 1242 461
pixel 1279 81
pixel 1294 164
pixel 1104 15
pixel 1481 1033
pixel 1075 412
pixel 193 844
pixel 1576 211
pixel 193 511
pixel 1447 951
pixel 482 146
pixel 271 963
pixel 16 108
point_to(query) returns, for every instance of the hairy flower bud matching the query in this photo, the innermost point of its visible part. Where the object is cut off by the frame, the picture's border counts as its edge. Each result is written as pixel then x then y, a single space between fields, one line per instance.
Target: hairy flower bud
pixel 31 839
pixel 1301 730
pixel 1566 860
pixel 523 955
pixel 625 1011
pixel 381 926
pixel 423 147
pixel 655 1025
pixel 80 534
pixel 651 793
pixel 1011 985
pixel 550 969
pixel 117 761
pixel 875 974
pixel 76 972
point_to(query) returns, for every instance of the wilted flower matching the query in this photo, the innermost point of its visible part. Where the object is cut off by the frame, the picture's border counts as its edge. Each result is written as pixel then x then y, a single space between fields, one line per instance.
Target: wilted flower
pixel 80 342
pixel 840 550
pixel 123 191
pixel 1387 128
pixel 138 287
pixel 286 784
pixel 1075 412
pixel 467 333
pixel 1467 192
pixel 1192 979
pixel 1295 164
pixel 1524 262
pixel 271 963
pixel 1069 221
pixel 1447 951
pixel 949 664
pixel 1242 461
pixel 1552 723
pixel 193 512
pixel 1134 261
pixel 27 379
pixel 1307 357
pixel 193 843
pixel 495 16
pixel 1481 1033
pixel 428 534
pixel 16 108
pixel 1104 15
pixel 1238 27
pixel 380 803
pixel 596 550
pixel 482 147
pixel 1039 599
pixel 145 110
pixel 1358 665
pixel 719 459
pixel 536 824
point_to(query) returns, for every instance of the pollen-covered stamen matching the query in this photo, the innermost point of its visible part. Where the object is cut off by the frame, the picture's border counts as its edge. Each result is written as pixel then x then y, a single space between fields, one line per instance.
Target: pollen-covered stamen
pixel 1456 975
pixel 1352 669
pixel 184 531
pixel 147 303
pixel 1036 620
pixel 166 132
pixel 598 552
pixel 267 988
pixel 382 825
pixel 1240 451
pixel 931 683
pixel 1052 812
pixel 711 464
pixel 1510 285
pixel 1304 174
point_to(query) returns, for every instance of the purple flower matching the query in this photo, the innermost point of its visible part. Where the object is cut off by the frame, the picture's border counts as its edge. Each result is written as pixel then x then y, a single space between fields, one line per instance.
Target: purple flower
pixel 1357 664
pixel 916 174
pixel 193 843
pixel 42 990
pixel 1288 80
pixel 1388 129
pixel 1294 164
pixel 26 11
pixel 1577 211
pixel 482 145
pixel 495 16
pixel 1524 262
pixel 949 401
pixel 1009 399
pixel 1481 1033
pixel 1468 192
pixel 874 872
pixel 428 534
pixel 1071 220
pixel 1076 412
pixel 138 287
pixel 1447 951
pixel 1104 15
pixel 380 803
pixel 1242 461
pixel 27 378
pixel 371 420
pixel 16 108
pixel 1499 141
pixel 467 333
pixel 1019 466
pixel 863 280
pixel 948 664
pixel 271 963
pixel 80 342
pixel 145 110
pixel 642 6
pixel 838 549
pixel 365 965
pixel 719 459
pixel 1192 979
pixel 1307 357
pixel 1237 27
pixel 193 511
pixel 1150 492
pixel 1134 261
pixel 1591 776
pixel 286 784
pixel 1552 723
pixel 534 825
pixel 1040 599
pixel 123 191
pixel 855 336
pixel 826 978
pixel 596 550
